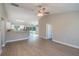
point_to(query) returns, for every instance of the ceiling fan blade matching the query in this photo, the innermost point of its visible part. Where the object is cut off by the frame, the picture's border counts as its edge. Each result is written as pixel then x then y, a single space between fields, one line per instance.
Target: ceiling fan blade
pixel 14 4
pixel 39 6
pixel 46 12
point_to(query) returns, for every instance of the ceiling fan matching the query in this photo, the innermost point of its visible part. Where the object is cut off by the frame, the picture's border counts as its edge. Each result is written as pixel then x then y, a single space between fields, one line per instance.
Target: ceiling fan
pixel 42 11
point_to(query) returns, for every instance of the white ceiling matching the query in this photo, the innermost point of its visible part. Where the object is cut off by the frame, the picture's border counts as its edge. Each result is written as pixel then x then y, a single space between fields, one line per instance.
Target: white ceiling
pixel 28 11
pixel 25 15
pixel 52 7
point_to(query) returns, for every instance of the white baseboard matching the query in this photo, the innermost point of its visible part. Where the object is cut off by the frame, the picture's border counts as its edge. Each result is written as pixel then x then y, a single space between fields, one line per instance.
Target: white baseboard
pixel 67 44
pixel 16 40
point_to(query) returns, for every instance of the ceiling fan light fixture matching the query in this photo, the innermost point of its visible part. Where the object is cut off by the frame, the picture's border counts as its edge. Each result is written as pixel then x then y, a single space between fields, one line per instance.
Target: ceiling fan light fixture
pixel 40 14
pixel 42 11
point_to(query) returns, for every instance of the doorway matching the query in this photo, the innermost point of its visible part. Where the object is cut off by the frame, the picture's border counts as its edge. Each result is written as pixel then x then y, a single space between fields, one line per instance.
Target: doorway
pixel 49 32
pixel 33 32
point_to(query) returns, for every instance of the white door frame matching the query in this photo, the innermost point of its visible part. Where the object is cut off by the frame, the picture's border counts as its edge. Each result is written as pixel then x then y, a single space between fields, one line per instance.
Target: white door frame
pixel 49 31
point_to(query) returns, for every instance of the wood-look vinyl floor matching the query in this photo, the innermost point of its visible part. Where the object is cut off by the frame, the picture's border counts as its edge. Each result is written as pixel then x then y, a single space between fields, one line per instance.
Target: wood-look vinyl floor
pixel 38 48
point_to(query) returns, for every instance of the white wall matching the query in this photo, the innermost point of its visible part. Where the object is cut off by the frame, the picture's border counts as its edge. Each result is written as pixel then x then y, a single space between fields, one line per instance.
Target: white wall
pixel 42 27
pixel 2 25
pixel 65 27
pixel 0 30
pixel 0 44
pixel 15 36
